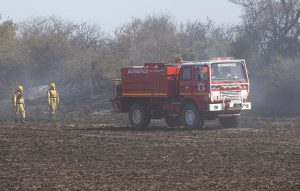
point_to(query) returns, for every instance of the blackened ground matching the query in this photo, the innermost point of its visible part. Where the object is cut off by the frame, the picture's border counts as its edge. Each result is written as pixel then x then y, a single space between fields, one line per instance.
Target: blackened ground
pixel 104 153
pixel 89 147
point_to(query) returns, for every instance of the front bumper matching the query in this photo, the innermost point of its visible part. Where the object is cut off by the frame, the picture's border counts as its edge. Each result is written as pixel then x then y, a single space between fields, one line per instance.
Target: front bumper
pixel 230 106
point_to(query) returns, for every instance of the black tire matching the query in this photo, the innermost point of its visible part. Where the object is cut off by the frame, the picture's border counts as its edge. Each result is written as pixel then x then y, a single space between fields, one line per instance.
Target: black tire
pixel 230 122
pixel 138 117
pixel 172 121
pixel 191 117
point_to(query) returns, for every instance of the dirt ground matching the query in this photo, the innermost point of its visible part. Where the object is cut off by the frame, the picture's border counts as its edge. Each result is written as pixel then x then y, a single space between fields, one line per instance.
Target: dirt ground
pixel 106 154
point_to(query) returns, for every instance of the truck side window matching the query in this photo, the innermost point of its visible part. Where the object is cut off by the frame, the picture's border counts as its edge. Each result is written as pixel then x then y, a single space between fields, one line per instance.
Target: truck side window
pixel 201 73
pixel 186 74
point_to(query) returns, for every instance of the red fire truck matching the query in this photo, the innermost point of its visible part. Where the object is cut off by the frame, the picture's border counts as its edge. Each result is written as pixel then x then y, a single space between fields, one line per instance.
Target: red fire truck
pixel 185 93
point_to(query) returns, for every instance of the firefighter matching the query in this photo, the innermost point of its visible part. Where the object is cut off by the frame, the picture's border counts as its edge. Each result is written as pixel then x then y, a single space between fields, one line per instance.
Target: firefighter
pixel 19 105
pixel 178 60
pixel 53 99
pixel 225 73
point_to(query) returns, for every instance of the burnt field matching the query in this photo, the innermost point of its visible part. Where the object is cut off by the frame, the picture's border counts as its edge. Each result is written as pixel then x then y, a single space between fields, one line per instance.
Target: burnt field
pixel 263 154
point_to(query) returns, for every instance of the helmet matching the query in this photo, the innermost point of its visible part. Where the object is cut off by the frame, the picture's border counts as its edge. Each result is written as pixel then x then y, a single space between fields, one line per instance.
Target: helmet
pixel 20 88
pixel 52 85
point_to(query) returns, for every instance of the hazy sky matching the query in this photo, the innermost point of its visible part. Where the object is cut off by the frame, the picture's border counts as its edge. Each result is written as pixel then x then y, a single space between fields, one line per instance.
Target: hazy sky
pixel 110 14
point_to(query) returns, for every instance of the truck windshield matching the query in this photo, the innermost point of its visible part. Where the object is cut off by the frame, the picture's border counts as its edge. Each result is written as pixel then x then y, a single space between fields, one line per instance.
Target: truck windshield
pixel 229 71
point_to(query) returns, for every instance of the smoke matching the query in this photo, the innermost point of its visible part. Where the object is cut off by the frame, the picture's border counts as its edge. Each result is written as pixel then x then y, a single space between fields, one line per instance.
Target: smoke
pixel 275 89
pixel 37 92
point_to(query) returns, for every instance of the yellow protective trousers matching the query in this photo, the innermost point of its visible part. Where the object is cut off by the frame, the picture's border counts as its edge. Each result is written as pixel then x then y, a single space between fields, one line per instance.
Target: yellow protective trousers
pixel 53 105
pixel 20 110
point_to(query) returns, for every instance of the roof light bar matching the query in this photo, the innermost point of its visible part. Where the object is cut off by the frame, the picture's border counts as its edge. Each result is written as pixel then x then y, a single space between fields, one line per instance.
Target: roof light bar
pixel 223 58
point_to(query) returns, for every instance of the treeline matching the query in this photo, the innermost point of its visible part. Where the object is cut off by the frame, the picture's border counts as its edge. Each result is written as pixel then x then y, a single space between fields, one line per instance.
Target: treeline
pixel 39 50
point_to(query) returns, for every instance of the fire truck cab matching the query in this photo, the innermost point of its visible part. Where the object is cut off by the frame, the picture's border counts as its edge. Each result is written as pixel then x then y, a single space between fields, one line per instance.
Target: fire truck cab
pixel 185 93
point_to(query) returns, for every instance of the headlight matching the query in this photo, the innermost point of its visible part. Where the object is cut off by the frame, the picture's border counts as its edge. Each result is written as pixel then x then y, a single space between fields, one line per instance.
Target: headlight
pixel 244 94
pixel 215 95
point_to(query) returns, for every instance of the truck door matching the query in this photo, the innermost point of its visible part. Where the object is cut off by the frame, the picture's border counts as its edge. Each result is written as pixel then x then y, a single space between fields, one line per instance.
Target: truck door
pixel 186 83
pixel 200 83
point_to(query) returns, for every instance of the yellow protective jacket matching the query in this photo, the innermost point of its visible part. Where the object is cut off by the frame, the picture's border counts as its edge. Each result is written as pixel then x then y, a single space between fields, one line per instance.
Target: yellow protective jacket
pixel 17 98
pixel 53 96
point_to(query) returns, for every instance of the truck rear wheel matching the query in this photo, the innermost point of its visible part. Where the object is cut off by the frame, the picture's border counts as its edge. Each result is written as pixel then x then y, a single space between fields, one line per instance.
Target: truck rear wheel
pixel 138 117
pixel 172 121
pixel 231 121
pixel 191 117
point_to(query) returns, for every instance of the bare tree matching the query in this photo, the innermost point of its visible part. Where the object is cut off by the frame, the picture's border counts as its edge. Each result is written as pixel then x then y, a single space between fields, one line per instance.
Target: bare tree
pixel 275 23
pixel 87 36
pixel 149 40
pixel 9 55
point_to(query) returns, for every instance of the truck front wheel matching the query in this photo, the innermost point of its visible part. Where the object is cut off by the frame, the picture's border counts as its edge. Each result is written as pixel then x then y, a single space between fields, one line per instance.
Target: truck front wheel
pixel 138 117
pixel 191 117
pixel 231 121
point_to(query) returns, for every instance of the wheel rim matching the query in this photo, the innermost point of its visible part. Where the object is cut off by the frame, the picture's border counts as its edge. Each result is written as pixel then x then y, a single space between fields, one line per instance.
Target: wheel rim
pixel 190 117
pixel 136 116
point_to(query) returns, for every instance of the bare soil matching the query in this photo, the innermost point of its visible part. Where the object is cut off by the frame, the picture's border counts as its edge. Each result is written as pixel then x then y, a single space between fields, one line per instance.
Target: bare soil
pixel 106 154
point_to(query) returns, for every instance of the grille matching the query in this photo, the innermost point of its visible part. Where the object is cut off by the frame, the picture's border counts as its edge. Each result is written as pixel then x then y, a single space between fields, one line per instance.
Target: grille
pixel 231 95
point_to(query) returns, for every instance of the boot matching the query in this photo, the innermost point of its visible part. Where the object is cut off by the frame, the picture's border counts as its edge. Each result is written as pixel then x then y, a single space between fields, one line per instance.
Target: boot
pixel 50 116
pixel 23 121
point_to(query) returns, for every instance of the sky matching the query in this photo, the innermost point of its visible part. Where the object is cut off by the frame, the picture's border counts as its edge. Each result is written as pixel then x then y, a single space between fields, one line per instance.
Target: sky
pixel 110 14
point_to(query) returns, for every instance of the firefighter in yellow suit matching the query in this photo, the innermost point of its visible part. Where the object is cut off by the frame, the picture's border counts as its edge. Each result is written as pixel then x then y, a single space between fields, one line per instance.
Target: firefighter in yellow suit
pixel 19 105
pixel 53 99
